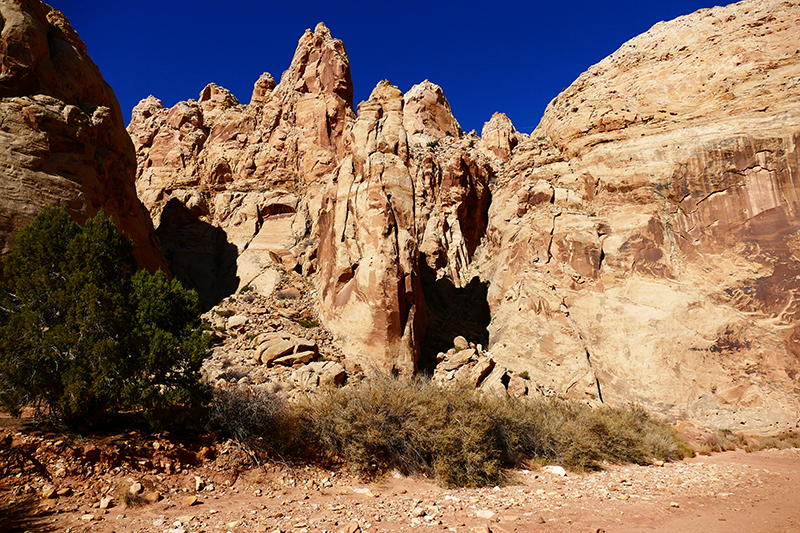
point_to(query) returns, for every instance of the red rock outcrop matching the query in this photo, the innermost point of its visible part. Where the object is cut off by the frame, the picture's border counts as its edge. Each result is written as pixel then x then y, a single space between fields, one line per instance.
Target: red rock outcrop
pixel 231 177
pixel 368 254
pixel 642 243
pixel 638 246
pixel 428 116
pixel 397 202
pixel 240 193
pixel 62 136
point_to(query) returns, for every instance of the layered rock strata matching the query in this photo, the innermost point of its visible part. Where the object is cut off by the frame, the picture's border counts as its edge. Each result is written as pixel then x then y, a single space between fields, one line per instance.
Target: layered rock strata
pixel 62 135
pixel 642 244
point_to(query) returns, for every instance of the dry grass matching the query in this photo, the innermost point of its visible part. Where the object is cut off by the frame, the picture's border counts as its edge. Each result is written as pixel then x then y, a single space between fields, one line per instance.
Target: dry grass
pixel 254 419
pixel 458 437
pixel 126 498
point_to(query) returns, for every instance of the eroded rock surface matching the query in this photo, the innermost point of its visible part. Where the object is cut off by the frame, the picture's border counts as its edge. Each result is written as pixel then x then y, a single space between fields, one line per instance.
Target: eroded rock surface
pixel 641 245
pixel 62 135
pixel 394 208
pixel 242 194
pixel 228 185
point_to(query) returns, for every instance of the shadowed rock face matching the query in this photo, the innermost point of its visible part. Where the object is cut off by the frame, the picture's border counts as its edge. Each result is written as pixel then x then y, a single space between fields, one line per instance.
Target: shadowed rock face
pixel 642 243
pixel 62 136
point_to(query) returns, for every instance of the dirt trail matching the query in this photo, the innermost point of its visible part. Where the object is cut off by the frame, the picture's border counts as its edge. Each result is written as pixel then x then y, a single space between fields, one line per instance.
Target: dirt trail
pixel 732 491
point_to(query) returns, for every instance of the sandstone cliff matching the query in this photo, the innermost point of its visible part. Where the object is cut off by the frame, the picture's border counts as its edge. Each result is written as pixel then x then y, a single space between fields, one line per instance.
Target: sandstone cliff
pixel 62 136
pixel 241 194
pixel 642 244
pixel 639 246
pixel 229 185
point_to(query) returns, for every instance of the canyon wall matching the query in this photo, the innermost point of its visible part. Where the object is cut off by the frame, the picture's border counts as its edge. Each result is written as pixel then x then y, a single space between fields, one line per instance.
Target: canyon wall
pixel 240 194
pixel 642 245
pixel 62 135
pixel 639 246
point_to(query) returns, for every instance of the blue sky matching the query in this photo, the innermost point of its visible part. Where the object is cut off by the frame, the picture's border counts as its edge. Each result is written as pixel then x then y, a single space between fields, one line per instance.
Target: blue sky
pixel 512 57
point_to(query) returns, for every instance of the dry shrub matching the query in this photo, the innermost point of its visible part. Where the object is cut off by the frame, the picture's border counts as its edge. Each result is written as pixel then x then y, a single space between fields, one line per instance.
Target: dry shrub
pixel 463 438
pixel 411 426
pixel 257 420
pixel 580 437
pixel 727 440
pixel 458 437
pixel 780 442
pixel 126 498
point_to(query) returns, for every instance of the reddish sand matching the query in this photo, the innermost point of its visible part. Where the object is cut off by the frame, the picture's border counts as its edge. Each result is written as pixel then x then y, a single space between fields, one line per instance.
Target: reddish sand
pixel 725 492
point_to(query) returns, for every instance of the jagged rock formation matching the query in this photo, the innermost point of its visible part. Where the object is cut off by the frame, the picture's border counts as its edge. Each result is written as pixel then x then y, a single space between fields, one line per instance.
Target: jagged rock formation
pixel 642 243
pixel 62 135
pixel 242 193
pixel 639 245
pixel 499 138
pixel 392 205
pixel 427 116
pixel 229 185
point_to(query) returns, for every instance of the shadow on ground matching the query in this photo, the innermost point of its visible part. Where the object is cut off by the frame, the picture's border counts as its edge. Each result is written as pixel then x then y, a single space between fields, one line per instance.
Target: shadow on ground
pixel 18 515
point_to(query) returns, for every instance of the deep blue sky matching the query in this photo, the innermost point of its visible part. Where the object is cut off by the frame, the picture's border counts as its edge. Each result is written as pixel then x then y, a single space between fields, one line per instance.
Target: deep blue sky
pixel 504 56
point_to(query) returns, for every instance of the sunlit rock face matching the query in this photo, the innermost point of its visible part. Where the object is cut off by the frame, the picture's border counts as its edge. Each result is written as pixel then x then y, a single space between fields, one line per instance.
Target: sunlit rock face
pixel 399 203
pixel 642 245
pixel 235 181
pixel 292 181
pixel 62 136
pixel 639 246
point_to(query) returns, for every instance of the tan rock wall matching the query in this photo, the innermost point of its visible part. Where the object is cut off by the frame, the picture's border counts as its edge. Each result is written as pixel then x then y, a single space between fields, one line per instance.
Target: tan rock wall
pixel 638 246
pixel 662 268
pixel 62 136
pixel 238 172
pixel 241 193
pixel 394 203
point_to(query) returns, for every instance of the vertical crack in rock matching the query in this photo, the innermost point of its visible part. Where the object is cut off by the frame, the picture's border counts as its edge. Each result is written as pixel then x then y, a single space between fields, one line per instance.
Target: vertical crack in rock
pixel 552 234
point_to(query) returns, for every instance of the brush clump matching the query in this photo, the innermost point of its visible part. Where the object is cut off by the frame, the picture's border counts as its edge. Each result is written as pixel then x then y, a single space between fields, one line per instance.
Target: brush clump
pixel 459 437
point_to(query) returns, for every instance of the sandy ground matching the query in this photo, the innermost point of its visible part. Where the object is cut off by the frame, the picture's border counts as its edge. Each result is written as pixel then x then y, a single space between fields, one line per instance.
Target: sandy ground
pixel 724 492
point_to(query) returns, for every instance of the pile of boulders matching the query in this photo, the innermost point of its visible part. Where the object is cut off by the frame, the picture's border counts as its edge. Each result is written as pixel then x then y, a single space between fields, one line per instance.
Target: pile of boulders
pixel 468 365
pixel 275 342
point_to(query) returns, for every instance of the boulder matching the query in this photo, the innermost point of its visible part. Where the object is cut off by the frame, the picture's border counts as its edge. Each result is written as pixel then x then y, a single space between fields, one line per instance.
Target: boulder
pixel 479 372
pixel 295 358
pixel 457 360
pixel 283 349
pixel 324 374
pixel 460 343
pixel 517 386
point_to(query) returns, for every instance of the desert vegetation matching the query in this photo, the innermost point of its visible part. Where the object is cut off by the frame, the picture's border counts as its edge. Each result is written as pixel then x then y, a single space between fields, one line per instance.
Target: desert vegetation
pixel 82 332
pixel 458 437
